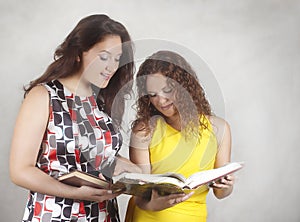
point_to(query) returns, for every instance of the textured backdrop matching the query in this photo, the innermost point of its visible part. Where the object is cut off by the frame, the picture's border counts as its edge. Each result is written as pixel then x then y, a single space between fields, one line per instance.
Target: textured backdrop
pixel 253 50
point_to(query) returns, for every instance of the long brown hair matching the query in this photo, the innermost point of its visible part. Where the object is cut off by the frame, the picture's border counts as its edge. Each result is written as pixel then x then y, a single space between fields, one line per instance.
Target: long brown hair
pixel 190 98
pixel 89 31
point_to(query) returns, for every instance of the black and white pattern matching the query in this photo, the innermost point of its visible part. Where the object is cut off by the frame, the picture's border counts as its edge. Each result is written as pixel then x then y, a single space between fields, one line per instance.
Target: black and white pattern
pixel 78 136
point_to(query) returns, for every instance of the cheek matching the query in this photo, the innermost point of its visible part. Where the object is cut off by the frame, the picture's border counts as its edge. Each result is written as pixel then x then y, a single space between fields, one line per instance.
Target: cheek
pixel 92 68
pixel 154 102
pixel 116 66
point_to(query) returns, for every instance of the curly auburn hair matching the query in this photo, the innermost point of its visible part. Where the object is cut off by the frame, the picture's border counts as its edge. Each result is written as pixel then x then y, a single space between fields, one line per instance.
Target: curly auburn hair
pixel 190 100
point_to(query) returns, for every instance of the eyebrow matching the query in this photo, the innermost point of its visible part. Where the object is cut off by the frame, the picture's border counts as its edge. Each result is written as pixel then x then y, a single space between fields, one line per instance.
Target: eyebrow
pixel 164 88
pixel 120 53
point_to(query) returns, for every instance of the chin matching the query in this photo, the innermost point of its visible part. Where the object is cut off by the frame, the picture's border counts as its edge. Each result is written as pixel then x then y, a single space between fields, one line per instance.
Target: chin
pixel 168 114
pixel 104 85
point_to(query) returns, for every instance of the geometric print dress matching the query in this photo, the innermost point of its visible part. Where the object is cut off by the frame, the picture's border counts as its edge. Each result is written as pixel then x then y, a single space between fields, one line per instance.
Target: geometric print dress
pixel 79 136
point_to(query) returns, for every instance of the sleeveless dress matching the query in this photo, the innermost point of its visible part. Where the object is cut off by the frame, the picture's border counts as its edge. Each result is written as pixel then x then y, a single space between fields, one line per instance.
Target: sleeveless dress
pixel 78 136
pixel 171 152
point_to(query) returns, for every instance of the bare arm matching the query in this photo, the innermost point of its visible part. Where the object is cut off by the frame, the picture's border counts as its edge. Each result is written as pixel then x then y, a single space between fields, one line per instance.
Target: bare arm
pixel 125 165
pixel 222 130
pixel 28 133
pixel 138 150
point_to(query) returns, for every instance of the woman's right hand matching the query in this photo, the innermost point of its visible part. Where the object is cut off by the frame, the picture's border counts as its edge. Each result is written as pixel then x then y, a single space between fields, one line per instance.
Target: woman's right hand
pixel 94 194
pixel 158 202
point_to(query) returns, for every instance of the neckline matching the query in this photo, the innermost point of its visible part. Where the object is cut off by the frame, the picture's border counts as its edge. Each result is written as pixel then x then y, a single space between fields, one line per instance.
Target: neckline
pixel 169 126
pixel 68 92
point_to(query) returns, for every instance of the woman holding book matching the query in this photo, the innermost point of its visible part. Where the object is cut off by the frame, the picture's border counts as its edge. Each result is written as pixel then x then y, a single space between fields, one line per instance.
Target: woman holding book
pixel 64 124
pixel 176 131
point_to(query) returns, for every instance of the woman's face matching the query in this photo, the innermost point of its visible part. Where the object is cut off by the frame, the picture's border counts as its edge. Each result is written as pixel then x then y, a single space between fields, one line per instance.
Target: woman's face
pixel 102 61
pixel 162 96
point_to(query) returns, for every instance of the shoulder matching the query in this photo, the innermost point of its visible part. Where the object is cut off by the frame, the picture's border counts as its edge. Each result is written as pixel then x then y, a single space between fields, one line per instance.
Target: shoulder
pixel 35 106
pixel 220 127
pixel 36 100
pixel 218 121
pixel 140 136
pixel 139 127
pixel 38 92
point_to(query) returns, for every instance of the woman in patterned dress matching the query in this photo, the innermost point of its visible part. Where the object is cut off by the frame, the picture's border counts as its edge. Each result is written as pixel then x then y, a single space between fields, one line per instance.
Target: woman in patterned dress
pixel 65 124
pixel 175 131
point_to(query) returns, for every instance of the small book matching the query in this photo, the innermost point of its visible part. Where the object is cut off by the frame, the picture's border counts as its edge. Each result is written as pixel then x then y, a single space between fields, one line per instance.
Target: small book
pixel 79 178
pixel 139 184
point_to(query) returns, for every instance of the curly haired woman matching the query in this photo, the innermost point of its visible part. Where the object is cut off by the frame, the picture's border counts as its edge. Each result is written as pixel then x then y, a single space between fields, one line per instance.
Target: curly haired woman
pixel 176 131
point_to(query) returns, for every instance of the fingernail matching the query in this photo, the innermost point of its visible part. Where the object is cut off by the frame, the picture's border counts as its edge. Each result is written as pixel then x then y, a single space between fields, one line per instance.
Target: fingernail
pixel 109 191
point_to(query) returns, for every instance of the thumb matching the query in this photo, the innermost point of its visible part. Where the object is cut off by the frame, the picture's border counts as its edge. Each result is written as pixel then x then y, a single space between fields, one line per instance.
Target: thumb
pixel 101 176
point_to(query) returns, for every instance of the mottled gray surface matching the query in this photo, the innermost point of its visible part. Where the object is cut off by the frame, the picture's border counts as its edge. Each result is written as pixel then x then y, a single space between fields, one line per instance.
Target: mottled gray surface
pixel 253 49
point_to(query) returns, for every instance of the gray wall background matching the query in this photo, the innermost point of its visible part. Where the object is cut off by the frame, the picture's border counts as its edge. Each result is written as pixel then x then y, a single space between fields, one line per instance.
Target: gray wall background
pixel 253 49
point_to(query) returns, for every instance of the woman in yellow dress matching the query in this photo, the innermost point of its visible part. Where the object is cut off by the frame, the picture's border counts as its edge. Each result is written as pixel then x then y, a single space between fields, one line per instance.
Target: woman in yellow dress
pixel 175 131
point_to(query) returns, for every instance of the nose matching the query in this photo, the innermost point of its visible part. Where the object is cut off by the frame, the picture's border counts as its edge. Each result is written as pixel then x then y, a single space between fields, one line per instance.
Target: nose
pixel 162 99
pixel 112 66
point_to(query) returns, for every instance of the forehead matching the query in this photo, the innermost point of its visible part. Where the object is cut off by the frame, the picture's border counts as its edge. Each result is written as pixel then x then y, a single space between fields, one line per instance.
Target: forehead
pixel 156 82
pixel 111 44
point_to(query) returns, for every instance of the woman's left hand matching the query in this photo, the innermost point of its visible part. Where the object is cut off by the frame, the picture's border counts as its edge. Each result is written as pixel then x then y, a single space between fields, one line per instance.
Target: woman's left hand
pixel 224 183
pixel 125 165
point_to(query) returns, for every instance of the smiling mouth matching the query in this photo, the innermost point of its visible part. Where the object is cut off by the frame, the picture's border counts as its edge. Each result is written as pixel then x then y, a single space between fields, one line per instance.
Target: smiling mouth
pixel 106 76
pixel 166 107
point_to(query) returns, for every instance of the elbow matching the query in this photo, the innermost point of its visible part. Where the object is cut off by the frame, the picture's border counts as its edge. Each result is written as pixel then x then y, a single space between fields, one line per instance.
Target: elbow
pixel 220 197
pixel 221 194
pixel 16 175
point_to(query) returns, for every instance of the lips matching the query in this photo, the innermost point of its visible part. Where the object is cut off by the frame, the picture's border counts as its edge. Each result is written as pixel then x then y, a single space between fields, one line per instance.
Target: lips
pixel 166 107
pixel 106 76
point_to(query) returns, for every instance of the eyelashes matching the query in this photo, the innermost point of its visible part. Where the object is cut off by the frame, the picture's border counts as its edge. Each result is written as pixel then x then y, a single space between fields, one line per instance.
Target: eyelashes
pixel 165 92
pixel 106 57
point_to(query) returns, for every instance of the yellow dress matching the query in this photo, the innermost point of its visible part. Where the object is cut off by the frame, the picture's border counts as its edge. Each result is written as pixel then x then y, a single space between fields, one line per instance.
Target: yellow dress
pixel 171 152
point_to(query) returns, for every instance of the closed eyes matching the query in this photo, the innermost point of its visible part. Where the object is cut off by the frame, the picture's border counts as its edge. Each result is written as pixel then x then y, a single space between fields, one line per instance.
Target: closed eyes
pixel 166 90
pixel 106 56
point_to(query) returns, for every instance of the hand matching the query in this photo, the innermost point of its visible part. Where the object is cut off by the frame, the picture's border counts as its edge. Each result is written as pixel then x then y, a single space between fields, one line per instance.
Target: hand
pixel 158 202
pixel 94 194
pixel 125 165
pixel 224 183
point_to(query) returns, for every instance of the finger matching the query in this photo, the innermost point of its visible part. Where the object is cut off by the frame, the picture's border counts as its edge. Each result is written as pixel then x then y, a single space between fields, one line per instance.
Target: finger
pixel 230 177
pixel 103 192
pixel 216 185
pixel 154 194
pixel 104 195
pixel 172 202
pixel 187 196
pixel 101 176
pixel 212 184
pixel 227 181
pixel 181 199
pixel 224 181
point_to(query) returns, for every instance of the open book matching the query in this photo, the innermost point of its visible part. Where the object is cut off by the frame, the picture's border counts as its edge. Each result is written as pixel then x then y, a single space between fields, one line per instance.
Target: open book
pixel 142 184
pixel 139 184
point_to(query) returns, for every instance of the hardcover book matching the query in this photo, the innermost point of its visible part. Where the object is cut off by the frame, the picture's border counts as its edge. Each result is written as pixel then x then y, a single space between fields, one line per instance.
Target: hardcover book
pixel 139 184
pixel 79 178
pixel 142 184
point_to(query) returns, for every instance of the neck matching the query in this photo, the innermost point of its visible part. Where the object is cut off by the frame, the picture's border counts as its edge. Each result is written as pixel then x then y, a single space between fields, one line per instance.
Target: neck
pixel 77 85
pixel 174 121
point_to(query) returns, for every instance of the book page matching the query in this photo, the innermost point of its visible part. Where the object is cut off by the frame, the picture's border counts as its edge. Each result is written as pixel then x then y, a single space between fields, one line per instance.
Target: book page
pixel 207 176
pixel 141 178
